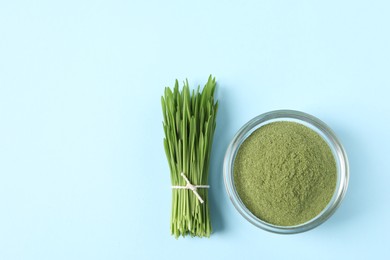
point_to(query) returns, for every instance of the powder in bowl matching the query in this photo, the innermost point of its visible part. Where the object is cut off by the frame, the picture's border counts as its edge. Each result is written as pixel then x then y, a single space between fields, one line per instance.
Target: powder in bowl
pixel 285 173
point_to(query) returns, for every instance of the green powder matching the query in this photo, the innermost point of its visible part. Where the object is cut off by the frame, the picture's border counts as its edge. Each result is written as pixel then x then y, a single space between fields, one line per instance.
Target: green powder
pixel 285 173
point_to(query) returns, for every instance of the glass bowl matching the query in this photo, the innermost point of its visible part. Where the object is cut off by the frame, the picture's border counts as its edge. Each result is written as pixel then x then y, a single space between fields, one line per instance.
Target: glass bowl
pixel 313 123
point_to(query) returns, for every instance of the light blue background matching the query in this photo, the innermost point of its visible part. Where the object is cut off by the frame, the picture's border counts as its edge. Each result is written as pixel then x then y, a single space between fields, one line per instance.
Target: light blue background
pixel 83 174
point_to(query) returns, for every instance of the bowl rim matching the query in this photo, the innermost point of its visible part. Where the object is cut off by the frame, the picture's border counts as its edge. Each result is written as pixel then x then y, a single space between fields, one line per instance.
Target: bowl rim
pixel 307 120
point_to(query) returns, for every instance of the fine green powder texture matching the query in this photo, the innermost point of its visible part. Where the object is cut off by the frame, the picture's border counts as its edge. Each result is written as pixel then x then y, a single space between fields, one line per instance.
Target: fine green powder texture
pixel 285 173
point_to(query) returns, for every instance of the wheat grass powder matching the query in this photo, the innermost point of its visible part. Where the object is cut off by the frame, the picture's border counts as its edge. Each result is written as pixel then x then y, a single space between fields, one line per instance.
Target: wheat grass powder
pixel 285 173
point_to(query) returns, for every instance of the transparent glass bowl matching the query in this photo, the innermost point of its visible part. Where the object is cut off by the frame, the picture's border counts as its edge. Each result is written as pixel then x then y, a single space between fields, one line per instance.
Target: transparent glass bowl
pixel 313 123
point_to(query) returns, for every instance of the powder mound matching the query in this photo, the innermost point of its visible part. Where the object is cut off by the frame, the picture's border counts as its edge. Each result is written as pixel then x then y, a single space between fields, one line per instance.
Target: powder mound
pixel 285 173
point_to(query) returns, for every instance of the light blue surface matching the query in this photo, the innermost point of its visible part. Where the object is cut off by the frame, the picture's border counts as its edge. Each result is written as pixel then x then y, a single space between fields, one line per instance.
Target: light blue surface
pixel 83 174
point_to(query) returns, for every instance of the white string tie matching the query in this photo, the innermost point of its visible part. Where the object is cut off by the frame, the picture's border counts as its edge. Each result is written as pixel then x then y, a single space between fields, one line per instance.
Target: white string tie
pixel 192 187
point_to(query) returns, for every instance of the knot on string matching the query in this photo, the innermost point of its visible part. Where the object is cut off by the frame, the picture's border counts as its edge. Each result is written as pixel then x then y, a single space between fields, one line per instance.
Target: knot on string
pixel 190 186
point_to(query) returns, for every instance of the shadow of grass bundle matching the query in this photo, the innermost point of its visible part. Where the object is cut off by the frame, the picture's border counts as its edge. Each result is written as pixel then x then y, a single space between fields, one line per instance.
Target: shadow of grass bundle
pixel 189 125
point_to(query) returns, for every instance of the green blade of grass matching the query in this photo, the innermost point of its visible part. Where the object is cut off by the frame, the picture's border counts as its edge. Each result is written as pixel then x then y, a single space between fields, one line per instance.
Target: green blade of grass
pixel 189 121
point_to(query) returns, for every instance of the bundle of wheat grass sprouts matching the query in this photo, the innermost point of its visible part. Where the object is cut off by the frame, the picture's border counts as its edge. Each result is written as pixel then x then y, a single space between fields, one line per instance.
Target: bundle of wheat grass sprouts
pixel 189 125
